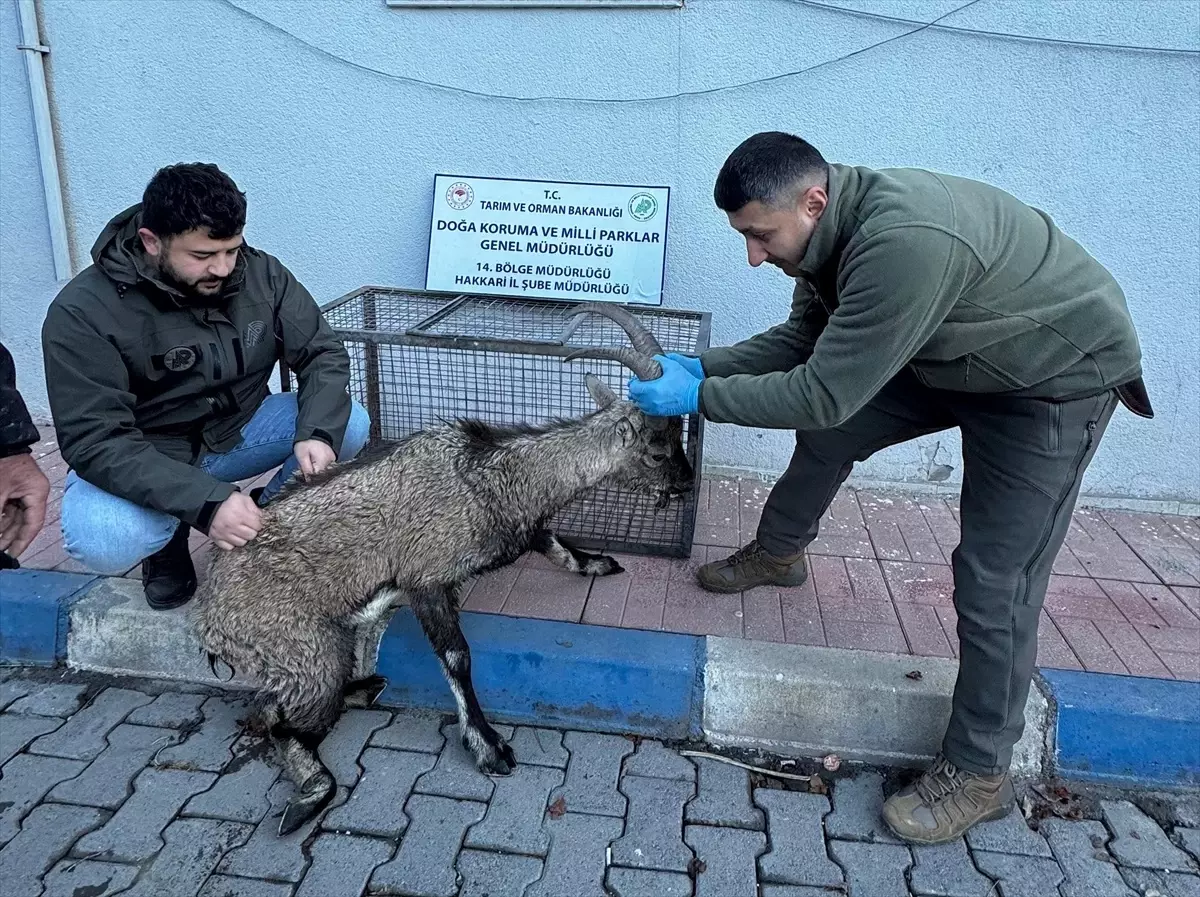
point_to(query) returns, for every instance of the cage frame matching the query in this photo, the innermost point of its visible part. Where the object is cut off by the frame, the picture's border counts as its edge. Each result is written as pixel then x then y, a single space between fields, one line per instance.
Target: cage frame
pixel 416 335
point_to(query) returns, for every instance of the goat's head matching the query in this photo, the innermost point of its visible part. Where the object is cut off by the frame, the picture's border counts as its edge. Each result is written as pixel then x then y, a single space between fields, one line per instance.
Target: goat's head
pixel 651 447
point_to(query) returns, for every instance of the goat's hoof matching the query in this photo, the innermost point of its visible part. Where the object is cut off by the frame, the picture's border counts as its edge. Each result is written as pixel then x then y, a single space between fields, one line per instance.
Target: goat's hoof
pixel 602 565
pixel 316 794
pixel 502 763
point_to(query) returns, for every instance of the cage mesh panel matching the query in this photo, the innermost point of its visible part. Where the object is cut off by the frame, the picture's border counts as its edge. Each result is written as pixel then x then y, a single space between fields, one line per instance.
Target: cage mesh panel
pixel 408 387
pixel 544 321
pixel 388 311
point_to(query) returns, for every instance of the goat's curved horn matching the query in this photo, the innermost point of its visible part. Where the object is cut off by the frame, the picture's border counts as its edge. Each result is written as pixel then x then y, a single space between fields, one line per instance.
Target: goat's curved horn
pixel 643 340
pixel 644 366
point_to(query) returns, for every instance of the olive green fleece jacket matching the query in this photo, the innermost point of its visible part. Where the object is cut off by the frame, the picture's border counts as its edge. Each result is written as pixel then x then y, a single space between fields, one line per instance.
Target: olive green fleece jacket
pixel 969 287
pixel 143 382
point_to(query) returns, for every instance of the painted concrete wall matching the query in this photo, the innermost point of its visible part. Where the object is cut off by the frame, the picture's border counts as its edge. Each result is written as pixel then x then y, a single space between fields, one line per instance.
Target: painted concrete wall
pixel 27 282
pixel 339 161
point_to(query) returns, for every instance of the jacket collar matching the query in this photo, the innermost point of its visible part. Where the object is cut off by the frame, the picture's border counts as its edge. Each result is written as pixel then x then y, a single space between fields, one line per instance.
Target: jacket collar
pixel 834 229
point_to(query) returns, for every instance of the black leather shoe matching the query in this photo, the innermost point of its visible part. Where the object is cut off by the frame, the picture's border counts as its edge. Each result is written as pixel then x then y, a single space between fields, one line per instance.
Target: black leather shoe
pixel 168 575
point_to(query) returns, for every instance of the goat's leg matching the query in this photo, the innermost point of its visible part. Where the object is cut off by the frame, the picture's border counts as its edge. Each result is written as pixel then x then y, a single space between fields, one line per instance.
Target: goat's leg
pixel 310 695
pixel 437 609
pixel 563 554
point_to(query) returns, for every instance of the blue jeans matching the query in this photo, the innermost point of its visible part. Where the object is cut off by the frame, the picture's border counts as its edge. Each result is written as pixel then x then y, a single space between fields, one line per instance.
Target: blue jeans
pixel 110 535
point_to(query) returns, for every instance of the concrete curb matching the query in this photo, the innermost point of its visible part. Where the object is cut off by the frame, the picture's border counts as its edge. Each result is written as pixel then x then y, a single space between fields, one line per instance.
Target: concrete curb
pixel 34 608
pixel 1126 730
pixel 789 699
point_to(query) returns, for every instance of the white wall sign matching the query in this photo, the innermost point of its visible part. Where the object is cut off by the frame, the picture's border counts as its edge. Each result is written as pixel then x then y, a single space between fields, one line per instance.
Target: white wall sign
pixel 547 239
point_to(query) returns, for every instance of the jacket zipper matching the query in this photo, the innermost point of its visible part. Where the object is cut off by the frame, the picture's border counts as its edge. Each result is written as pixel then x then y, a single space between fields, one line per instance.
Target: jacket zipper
pixel 217 370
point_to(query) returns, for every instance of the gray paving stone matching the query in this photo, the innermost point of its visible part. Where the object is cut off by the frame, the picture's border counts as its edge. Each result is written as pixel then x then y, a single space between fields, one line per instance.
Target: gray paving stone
pixel 654 760
pixel 134 834
pixel 240 794
pixel 1164 884
pixel 1079 849
pixel 486 874
pixel 108 781
pixel 1190 839
pixel 86 878
pixel 173 710
pixel 649 883
pixel 799 891
pixel 730 859
pixel 341 748
pixel 1020 876
pixel 1138 841
pixel 1008 835
pixel 266 854
pixel 193 847
pixel 455 774
pixel 26 780
pixel 48 833
pixel 58 699
pixel 16 733
pixel 424 864
pixel 857 809
pixel 592 774
pixel 412 730
pixel 84 735
pixel 872 868
pixel 794 820
pixel 514 818
pixel 723 797
pixel 578 847
pixel 209 747
pixel 15 689
pixel 539 747
pixel 946 870
pixel 653 836
pixel 342 864
pixel 230 886
pixel 375 805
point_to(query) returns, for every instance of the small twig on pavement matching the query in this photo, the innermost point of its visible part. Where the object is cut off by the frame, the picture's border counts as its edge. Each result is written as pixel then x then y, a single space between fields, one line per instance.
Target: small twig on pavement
pixel 751 767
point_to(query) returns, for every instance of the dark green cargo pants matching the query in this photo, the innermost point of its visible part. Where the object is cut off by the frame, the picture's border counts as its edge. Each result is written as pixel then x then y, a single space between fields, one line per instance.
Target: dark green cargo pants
pixel 1023 460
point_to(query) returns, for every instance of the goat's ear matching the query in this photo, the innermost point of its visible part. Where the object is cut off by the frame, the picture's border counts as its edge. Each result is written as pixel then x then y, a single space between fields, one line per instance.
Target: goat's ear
pixel 625 432
pixel 599 391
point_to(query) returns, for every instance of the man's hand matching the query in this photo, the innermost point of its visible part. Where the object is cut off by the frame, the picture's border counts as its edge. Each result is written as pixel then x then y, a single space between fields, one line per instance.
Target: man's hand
pixel 314 456
pixel 23 492
pixel 690 363
pixel 675 393
pixel 236 522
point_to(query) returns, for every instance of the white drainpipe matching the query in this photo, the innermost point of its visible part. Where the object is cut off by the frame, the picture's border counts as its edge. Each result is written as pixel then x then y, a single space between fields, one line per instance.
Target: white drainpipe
pixel 35 50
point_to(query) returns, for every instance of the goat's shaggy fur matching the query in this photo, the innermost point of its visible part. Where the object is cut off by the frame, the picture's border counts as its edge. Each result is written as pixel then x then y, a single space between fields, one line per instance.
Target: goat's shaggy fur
pixel 419 518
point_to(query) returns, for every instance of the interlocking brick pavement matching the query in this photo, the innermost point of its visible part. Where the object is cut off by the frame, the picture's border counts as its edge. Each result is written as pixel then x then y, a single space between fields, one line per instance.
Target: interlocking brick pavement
pixel 588 814
pixel 1124 598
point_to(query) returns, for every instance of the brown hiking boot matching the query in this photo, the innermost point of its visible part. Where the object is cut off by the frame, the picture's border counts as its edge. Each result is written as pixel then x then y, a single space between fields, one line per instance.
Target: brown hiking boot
pixel 751 566
pixel 945 802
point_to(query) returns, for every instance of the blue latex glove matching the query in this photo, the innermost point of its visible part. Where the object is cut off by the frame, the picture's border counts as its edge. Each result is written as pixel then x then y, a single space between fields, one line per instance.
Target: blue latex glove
pixel 690 363
pixel 675 393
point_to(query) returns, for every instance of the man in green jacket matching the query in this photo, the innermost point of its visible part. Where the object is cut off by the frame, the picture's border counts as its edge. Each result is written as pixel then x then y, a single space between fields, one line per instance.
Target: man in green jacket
pixel 158 359
pixel 922 302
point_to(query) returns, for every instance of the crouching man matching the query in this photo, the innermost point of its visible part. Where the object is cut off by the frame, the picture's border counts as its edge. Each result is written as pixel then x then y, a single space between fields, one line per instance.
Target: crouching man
pixel 922 302
pixel 158 358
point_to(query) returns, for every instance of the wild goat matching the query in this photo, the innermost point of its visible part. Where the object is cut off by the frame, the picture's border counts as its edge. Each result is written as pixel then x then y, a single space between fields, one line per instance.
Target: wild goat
pixel 420 519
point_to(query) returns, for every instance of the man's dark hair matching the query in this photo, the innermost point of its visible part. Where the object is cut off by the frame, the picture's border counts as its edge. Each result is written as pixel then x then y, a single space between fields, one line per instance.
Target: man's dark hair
pixel 193 195
pixel 768 167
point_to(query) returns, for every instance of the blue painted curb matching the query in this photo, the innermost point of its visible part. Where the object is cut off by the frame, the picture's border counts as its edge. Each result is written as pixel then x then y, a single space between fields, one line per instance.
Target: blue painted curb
pixel 1126 729
pixel 35 610
pixel 556 674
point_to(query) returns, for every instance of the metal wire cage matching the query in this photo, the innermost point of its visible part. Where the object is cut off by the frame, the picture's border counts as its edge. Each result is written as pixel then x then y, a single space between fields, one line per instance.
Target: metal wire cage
pixel 420 359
